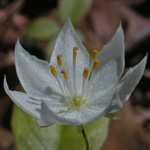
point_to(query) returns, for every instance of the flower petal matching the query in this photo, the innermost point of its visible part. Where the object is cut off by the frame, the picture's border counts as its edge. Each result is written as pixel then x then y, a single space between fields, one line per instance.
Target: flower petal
pixel 34 73
pixel 48 117
pixel 94 109
pixel 111 63
pixel 66 40
pixel 131 79
pixel 113 105
pixel 22 101
pixel 104 103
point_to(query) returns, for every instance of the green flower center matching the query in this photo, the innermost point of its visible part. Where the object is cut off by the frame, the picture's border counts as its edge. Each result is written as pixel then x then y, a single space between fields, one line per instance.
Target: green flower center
pixel 77 100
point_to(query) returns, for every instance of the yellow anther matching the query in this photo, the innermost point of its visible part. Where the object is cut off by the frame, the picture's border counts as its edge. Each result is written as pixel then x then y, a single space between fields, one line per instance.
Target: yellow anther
pixel 65 74
pixel 85 73
pixel 59 60
pixel 75 51
pixel 53 70
pixel 96 64
pixel 94 54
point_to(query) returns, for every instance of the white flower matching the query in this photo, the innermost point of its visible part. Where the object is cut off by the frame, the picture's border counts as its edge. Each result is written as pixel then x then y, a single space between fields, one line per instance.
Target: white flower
pixel 71 90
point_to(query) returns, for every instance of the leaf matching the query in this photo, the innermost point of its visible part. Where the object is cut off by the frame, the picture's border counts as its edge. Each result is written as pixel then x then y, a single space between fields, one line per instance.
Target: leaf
pixel 75 9
pixel 112 116
pixel 96 132
pixel 41 29
pixel 29 136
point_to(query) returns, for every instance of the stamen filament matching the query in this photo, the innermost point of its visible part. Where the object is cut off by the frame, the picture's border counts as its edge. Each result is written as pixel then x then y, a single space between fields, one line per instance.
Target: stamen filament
pixel 67 85
pixel 83 87
pixel 92 73
pixel 89 83
pixel 58 81
pixel 85 76
pixel 74 68
pixel 68 88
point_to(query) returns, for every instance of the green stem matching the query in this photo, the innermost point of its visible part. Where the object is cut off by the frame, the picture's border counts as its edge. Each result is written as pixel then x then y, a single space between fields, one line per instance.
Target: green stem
pixel 85 138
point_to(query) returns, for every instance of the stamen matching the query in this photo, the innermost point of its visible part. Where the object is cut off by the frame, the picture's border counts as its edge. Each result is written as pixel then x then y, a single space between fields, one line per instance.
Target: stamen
pixel 85 76
pixel 59 60
pixel 65 74
pixel 85 73
pixel 93 57
pixel 92 73
pixel 94 54
pixel 67 87
pixel 96 64
pixel 54 73
pixel 75 51
pixel 53 70
pixel 74 68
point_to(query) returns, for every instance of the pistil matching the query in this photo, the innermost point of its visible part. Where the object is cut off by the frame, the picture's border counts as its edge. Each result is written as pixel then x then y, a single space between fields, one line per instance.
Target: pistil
pixel 76 101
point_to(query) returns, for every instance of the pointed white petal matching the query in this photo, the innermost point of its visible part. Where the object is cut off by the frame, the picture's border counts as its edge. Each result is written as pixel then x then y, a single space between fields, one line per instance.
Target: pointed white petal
pixel 131 79
pixel 66 40
pixel 48 117
pixel 22 100
pixel 114 106
pixel 34 74
pixel 100 107
pixel 111 62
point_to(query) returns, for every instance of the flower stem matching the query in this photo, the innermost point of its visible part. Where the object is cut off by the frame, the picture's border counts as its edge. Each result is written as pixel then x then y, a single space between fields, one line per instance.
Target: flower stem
pixel 85 138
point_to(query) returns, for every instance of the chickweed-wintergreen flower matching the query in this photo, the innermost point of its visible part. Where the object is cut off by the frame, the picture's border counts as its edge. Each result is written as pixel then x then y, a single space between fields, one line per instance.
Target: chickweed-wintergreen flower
pixel 74 88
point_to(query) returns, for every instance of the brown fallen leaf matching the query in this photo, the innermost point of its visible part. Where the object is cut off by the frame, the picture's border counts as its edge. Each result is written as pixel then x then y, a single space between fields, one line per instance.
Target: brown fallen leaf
pixel 6 140
pixel 127 133
pixel 7 59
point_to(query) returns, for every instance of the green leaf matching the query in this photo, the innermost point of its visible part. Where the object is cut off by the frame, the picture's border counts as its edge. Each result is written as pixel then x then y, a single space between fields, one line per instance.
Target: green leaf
pixel 41 29
pixel 75 9
pixel 112 116
pixel 96 132
pixel 29 136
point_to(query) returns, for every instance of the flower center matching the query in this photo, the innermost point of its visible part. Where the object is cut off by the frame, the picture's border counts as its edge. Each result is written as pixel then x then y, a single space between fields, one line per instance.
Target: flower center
pixel 77 101
pixel 70 94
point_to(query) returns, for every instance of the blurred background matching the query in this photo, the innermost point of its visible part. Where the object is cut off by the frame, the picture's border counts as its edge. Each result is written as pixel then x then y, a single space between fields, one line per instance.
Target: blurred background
pixel 37 23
